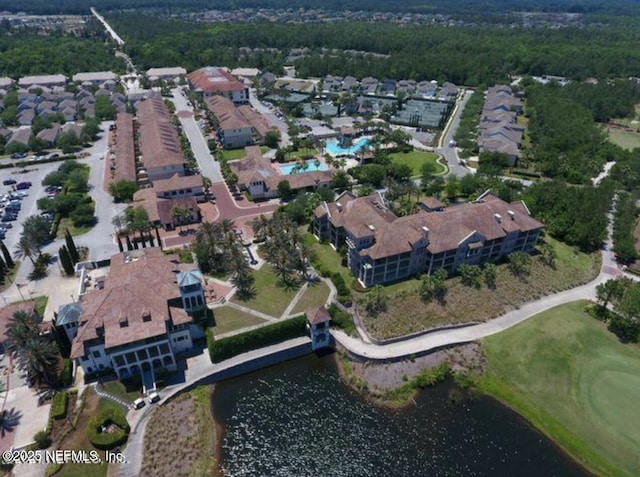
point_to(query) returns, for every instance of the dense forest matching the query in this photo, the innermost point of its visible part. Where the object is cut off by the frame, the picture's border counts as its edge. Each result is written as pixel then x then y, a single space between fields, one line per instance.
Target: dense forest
pixel 566 141
pixel 424 6
pixel 23 52
pixel 463 55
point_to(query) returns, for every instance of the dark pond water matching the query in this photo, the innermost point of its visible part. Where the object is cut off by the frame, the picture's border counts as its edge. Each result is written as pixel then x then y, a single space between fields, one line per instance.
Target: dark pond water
pixel 297 419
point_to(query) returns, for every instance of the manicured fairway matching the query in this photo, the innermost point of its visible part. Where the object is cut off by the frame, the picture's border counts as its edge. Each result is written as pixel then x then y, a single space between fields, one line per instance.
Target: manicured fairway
pixel 572 378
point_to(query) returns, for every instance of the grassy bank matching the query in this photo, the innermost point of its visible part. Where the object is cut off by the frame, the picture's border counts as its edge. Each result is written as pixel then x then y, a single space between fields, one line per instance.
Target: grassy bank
pixel 408 313
pixel 180 437
pixel 270 298
pixel 573 380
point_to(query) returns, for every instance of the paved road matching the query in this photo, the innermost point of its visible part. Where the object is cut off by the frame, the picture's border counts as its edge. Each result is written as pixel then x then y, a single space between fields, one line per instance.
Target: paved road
pixel 110 30
pixel 282 126
pixel 208 166
pixel 443 148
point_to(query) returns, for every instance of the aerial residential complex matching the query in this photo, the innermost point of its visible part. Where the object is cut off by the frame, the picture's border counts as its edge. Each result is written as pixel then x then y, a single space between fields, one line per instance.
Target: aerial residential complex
pixel 237 126
pixel 383 247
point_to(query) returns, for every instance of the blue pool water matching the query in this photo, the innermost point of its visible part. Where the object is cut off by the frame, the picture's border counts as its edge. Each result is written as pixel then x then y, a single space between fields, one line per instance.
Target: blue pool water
pixel 294 168
pixel 334 149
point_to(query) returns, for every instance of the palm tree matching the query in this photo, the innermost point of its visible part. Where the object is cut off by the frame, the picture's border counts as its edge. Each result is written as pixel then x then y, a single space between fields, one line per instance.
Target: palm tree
pixel 261 228
pixel 243 277
pixel 22 327
pixel 39 360
pixel 26 248
pixel 303 258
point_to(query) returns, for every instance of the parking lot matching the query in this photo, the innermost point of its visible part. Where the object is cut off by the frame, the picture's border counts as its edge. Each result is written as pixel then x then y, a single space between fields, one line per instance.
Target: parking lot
pixel 33 174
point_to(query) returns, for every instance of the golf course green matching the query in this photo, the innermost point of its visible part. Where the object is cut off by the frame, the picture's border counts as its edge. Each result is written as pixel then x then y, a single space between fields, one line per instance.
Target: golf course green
pixel 575 381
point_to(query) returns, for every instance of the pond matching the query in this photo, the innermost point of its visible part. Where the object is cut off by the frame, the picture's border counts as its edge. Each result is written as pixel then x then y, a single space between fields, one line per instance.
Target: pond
pixel 299 419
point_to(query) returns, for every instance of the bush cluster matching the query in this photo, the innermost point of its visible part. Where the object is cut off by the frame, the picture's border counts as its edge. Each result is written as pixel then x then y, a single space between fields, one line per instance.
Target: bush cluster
pixel 226 348
pixel 341 319
pixel 66 375
pixel 108 440
pixel 59 405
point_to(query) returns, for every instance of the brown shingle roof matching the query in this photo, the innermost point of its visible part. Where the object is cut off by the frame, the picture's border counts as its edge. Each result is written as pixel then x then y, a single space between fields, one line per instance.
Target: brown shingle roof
pixel 317 315
pixel 140 283
pixel 166 206
pixel 365 216
pixel 177 182
pixel 159 141
pixel 124 149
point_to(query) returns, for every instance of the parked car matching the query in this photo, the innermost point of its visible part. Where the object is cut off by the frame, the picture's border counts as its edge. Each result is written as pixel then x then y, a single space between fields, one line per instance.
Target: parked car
pixel 23 185
pixel 138 403
pixel 154 397
pixel 6 226
pixel 9 218
pixel 8 182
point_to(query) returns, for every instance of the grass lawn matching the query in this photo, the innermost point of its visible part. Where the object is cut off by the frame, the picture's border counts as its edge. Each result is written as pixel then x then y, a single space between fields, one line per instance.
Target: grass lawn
pixel 229 319
pixel 407 313
pixel 232 154
pixel 67 223
pixel 624 139
pixel 270 298
pixel 331 259
pixel 314 296
pixel 128 392
pixel 572 378
pixel 180 437
pixel 415 159
pixel 77 439
pixel 301 153
pixel 41 304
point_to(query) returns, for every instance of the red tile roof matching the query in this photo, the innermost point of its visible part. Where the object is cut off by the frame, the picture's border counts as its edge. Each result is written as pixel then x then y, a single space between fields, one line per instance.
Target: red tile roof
pixel 212 80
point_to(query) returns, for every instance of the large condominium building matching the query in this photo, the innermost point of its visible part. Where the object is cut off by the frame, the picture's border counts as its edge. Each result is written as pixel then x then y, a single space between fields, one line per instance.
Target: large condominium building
pixel 383 247
pixel 212 81
pixel 141 318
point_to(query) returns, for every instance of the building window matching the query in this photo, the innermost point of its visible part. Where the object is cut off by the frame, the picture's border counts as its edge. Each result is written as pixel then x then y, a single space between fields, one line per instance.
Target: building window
pixel 89 369
pixel 164 348
pixel 96 354
pixel 119 360
pixel 101 366
pixel 153 351
pixel 142 354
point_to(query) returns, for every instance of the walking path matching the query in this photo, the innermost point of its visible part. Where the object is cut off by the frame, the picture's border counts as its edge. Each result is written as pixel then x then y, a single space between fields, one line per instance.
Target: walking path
pixel 100 392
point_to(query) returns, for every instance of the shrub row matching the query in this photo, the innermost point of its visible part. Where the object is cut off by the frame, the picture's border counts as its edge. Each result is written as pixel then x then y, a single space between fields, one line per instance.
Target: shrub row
pixel 8 165
pixel 66 375
pixel 226 348
pixel 108 440
pixel 59 405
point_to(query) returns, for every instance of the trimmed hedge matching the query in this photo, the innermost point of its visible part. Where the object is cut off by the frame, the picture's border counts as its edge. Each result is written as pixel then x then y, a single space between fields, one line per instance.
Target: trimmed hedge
pixel 226 348
pixel 66 375
pixel 59 405
pixel 108 440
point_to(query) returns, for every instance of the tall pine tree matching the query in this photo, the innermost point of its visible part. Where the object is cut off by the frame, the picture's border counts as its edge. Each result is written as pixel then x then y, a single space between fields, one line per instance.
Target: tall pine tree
pixel 7 256
pixel 65 260
pixel 71 247
pixel 129 245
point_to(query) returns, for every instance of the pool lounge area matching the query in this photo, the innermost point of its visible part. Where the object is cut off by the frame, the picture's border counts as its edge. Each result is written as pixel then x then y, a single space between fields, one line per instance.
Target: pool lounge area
pixel 336 150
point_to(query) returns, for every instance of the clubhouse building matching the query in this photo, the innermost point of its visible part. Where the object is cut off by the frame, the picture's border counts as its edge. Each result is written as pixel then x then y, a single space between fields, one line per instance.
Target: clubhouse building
pixel 383 247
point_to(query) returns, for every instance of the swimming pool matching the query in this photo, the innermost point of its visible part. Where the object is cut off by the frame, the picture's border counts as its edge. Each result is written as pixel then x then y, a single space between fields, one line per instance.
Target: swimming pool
pixel 335 150
pixel 294 168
